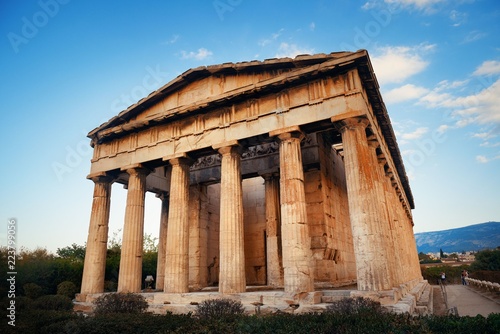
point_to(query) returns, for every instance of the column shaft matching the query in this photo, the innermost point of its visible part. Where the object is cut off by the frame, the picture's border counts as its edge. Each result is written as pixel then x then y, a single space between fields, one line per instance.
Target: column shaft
pixel 162 242
pixel 297 255
pixel 130 275
pixel 177 256
pixel 371 268
pixel 95 254
pixel 273 231
pixel 232 251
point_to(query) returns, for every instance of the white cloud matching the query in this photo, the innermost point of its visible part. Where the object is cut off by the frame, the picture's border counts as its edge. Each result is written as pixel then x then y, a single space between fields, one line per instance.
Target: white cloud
pixel 271 39
pixel 445 84
pixel 427 6
pixel 418 133
pixel 488 67
pixel 457 18
pixel 443 128
pixel 481 158
pixel 172 39
pixel 201 54
pixel 291 50
pixel 404 93
pixel 395 64
pixel 473 36
pixel 312 26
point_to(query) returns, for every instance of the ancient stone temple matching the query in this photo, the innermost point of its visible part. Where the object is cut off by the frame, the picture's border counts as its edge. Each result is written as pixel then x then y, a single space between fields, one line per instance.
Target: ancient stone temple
pixel 282 174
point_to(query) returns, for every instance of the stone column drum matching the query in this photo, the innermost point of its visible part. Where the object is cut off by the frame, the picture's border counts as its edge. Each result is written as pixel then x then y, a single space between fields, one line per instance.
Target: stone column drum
pixel 162 242
pixel 130 275
pixel 177 255
pixel 97 241
pixel 296 242
pixel 232 251
pixel 372 271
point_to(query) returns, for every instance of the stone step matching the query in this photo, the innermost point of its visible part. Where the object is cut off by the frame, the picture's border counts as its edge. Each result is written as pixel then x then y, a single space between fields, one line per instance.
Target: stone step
pixel 331 296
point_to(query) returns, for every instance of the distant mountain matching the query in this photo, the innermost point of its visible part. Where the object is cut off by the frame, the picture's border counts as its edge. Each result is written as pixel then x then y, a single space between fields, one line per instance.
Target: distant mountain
pixel 469 238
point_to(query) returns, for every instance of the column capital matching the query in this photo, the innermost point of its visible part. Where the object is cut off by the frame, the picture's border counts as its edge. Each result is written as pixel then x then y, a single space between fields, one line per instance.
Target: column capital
pixel 101 177
pixel 352 123
pixel 136 169
pixel 288 133
pixel 269 173
pixel 178 159
pixel 230 149
pixel 164 195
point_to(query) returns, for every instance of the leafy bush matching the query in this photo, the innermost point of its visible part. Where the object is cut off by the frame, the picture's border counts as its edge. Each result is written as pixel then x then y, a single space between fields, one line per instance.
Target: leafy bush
pixel 53 302
pixel 120 303
pixel 32 290
pixel 356 306
pixel 218 308
pixel 67 289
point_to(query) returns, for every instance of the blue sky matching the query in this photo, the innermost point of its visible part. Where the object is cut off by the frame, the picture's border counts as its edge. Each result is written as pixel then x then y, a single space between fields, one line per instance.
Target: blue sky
pixel 68 66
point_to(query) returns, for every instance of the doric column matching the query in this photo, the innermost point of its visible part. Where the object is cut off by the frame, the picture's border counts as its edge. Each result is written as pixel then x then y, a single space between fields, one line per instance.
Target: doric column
pixel 382 228
pixel 372 273
pixel 273 226
pixel 232 251
pixel 177 256
pixel 162 242
pixel 198 237
pixel 130 275
pixel 296 241
pixel 97 241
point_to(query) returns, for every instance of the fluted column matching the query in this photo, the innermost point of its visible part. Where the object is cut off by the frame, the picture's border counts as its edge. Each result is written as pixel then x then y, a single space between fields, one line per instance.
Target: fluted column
pixel 382 227
pixel 130 275
pixel 177 256
pixel 232 251
pixel 296 241
pixel 273 226
pixel 372 273
pixel 97 241
pixel 162 242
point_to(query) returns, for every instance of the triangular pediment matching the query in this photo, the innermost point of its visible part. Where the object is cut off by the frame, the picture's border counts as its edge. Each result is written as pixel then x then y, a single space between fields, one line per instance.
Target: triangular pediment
pixel 206 85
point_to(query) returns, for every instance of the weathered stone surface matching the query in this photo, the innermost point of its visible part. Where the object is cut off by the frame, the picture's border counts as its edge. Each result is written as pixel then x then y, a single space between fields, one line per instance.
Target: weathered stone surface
pixel 283 173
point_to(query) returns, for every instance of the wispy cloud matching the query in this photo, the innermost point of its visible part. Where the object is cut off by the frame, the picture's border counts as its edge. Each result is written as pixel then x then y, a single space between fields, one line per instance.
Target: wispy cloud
pixel 201 54
pixel 416 134
pixel 172 40
pixel 457 18
pixel 405 93
pixel 484 160
pixel 426 6
pixel 268 40
pixel 292 50
pixel 488 67
pixel 473 36
pixel 312 26
pixel 394 64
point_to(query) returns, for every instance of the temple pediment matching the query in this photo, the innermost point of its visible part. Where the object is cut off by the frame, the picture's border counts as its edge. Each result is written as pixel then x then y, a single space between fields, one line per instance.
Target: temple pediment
pixel 211 86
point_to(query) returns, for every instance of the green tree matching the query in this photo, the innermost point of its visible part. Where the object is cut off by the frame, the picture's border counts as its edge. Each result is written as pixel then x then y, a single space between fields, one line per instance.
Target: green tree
pixel 487 260
pixel 74 253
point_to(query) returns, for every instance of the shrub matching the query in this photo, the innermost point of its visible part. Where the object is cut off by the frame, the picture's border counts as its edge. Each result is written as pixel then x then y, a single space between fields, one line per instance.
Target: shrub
pixel 67 289
pixel 120 303
pixel 32 290
pixel 356 306
pixel 53 302
pixel 211 309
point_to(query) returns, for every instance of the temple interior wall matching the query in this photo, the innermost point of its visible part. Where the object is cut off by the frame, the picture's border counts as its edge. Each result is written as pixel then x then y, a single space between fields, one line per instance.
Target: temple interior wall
pixel 254 211
pixel 212 205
